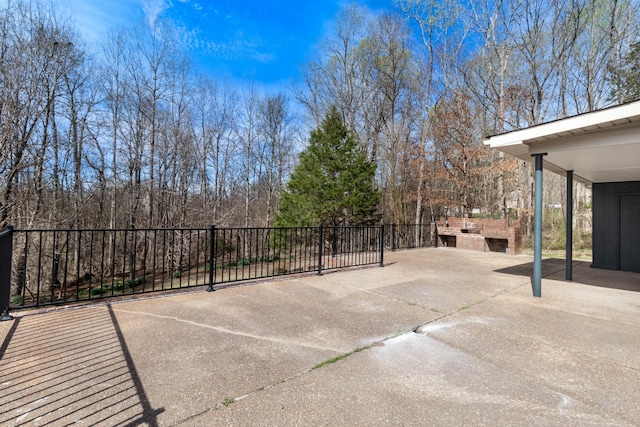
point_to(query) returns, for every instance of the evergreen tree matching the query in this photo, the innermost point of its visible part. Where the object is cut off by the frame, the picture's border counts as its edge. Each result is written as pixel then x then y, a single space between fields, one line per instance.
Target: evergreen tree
pixel 333 183
pixel 625 79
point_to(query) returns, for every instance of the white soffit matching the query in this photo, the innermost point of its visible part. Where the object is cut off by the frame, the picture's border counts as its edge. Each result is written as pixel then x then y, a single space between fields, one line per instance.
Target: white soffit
pixel 600 146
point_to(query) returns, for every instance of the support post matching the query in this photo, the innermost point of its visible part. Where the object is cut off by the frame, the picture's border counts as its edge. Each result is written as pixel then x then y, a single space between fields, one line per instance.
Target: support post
pixel 212 259
pixel 6 253
pixel 569 228
pixel 537 228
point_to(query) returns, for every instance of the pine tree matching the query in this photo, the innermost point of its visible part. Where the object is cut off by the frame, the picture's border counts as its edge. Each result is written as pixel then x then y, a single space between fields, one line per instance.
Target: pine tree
pixel 625 79
pixel 333 183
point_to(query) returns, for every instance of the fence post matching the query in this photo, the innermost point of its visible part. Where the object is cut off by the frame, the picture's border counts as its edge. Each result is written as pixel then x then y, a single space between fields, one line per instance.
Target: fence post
pixel 393 237
pixel 6 252
pixel 334 241
pixel 212 259
pixel 320 245
pixel 382 245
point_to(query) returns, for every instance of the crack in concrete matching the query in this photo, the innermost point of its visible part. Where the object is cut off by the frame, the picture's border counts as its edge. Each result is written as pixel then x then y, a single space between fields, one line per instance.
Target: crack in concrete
pixel 232 332
pixel 418 328
pixel 342 354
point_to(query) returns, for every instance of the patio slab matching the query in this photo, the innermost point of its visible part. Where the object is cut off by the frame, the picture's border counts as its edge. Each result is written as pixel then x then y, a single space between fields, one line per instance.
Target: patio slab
pixel 436 337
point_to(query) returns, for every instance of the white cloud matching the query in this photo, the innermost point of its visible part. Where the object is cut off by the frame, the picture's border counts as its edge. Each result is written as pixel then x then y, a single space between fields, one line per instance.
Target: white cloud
pixel 240 47
pixel 153 9
pixel 94 18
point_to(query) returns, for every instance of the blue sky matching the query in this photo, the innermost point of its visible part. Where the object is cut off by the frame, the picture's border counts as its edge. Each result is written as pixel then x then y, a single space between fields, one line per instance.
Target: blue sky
pixel 265 40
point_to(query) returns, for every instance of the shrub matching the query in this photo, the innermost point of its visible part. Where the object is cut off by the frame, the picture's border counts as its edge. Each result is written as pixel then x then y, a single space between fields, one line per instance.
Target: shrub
pixel 96 290
pixel 131 283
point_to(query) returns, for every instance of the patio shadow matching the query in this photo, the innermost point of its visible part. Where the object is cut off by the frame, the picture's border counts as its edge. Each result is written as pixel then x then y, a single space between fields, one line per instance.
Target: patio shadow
pixel 70 367
pixel 554 269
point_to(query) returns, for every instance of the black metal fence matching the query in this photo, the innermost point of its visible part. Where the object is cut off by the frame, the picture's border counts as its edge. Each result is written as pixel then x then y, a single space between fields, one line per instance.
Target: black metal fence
pixel 408 236
pixel 46 267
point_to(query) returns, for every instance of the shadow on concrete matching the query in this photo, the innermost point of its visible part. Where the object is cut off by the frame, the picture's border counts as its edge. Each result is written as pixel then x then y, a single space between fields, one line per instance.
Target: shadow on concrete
pixel 554 269
pixel 70 367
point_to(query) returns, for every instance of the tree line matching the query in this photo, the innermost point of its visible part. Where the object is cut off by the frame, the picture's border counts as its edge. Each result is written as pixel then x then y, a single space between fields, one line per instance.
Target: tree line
pixel 127 134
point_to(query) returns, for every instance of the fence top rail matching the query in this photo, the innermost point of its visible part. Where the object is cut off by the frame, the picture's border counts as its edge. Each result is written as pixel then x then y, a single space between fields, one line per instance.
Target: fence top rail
pixel 413 224
pixel 77 230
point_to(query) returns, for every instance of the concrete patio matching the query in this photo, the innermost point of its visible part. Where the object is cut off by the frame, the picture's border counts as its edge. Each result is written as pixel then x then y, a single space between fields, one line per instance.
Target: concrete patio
pixel 436 337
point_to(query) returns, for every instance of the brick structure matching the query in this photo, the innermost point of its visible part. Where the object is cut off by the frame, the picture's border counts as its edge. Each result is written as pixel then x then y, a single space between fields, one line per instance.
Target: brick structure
pixel 481 234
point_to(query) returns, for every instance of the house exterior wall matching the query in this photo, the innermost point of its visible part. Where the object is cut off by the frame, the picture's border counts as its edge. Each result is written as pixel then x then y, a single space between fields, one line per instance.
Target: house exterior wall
pixel 607 229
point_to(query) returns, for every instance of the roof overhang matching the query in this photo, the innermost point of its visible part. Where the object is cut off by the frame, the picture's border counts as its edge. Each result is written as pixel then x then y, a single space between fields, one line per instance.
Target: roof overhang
pixel 599 146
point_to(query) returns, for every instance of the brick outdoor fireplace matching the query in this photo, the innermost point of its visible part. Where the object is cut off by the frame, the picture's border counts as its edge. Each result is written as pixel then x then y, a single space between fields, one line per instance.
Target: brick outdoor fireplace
pixel 481 234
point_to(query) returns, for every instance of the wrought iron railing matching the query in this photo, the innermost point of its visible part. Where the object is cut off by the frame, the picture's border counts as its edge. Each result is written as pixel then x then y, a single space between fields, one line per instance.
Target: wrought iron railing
pixel 45 267
pixel 409 236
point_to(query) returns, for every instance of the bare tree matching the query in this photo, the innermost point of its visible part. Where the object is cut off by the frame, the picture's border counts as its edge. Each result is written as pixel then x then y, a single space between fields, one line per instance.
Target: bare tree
pixel 176 149
pixel 277 150
pixel 36 53
pixel 608 29
pixel 247 134
pixel 395 72
pixel 340 77
pixel 114 89
pixel 215 107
